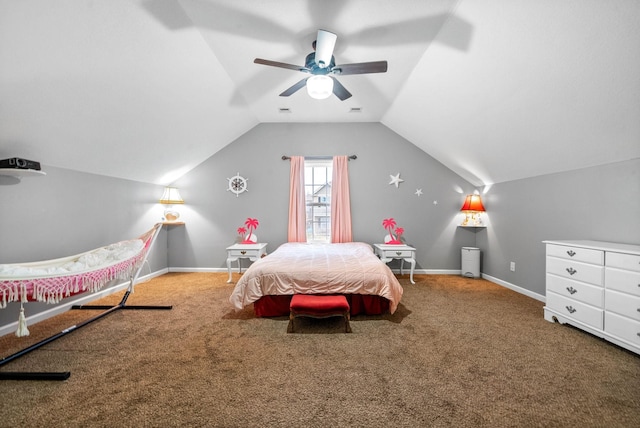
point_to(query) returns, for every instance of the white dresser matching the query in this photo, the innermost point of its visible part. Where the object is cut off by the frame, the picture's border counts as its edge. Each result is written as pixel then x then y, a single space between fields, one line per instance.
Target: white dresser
pixel 595 286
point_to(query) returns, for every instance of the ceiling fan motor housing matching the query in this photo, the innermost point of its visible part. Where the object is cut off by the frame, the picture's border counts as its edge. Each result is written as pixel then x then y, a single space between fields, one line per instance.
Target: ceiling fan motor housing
pixel 310 63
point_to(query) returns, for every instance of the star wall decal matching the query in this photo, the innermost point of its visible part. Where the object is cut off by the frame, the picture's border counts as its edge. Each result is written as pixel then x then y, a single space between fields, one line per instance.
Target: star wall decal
pixel 395 179
pixel 419 192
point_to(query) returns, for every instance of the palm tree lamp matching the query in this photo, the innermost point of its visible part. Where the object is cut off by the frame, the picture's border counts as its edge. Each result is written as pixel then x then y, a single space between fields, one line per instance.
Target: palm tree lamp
pixel 389 224
pixel 472 208
pixel 171 197
pixel 249 238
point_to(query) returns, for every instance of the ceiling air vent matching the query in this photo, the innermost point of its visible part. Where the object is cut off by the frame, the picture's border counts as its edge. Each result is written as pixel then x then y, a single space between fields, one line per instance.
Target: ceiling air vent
pixel 284 110
pixel 355 110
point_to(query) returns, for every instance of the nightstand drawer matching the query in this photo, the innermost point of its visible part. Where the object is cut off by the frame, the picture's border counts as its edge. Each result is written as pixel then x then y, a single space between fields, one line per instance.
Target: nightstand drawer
pixel 622 304
pixel 243 253
pixel 623 261
pixel 577 310
pixel 397 253
pixel 591 294
pixel 622 280
pixel 592 274
pixel 622 327
pixel 576 253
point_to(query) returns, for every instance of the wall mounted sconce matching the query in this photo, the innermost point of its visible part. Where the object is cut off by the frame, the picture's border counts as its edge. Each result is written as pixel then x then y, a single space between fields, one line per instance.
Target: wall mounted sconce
pixel 472 208
pixel 170 197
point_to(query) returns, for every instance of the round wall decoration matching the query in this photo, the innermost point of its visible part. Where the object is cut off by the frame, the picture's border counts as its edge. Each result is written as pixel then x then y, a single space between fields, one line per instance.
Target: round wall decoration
pixel 237 184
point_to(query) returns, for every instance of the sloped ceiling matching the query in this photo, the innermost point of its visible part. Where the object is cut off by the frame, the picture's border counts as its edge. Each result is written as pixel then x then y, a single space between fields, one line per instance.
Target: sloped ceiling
pixel 497 90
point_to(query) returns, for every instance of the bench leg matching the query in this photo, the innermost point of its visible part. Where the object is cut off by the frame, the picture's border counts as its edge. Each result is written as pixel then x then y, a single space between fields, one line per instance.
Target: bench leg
pixel 347 326
pixel 290 326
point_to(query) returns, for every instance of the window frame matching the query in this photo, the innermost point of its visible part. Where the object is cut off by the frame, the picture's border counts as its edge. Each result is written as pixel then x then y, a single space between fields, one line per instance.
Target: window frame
pixel 318 212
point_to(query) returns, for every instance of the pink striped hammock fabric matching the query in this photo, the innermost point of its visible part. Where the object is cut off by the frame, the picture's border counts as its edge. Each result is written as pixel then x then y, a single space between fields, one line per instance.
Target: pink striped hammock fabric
pixel 51 281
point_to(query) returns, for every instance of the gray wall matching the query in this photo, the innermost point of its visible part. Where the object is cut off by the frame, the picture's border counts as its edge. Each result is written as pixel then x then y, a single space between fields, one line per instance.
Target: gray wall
pixel 213 214
pixel 67 212
pixel 600 203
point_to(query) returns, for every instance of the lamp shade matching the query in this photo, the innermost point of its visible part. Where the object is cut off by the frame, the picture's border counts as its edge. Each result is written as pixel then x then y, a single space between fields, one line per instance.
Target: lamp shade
pixel 473 203
pixel 171 196
pixel 320 87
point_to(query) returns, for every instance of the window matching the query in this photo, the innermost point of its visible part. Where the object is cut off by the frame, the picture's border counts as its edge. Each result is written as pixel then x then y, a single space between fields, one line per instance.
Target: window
pixel 317 183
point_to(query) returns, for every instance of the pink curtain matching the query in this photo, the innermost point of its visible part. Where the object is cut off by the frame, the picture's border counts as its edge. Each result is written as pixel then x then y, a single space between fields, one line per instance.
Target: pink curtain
pixel 297 205
pixel 340 201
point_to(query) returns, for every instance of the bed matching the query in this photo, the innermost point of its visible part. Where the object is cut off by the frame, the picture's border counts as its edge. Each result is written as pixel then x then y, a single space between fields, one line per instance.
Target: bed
pixel 350 269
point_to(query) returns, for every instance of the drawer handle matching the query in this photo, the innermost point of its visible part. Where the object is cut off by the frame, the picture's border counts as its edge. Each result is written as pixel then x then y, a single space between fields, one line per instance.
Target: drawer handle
pixel 572 290
pixel 571 271
pixel 571 253
pixel 571 309
pixel 398 252
pixel 243 252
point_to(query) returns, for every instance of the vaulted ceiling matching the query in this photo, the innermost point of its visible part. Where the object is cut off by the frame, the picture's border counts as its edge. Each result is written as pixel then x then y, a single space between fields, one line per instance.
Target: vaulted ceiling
pixel 497 90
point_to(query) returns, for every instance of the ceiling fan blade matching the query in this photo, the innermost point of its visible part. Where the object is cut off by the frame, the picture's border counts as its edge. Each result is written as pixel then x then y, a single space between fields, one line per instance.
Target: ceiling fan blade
pixel 339 90
pixel 301 84
pixel 325 43
pixel 281 65
pixel 361 68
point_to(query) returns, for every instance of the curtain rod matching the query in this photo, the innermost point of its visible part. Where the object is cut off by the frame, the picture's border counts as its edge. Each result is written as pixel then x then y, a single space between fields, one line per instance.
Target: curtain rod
pixel 285 157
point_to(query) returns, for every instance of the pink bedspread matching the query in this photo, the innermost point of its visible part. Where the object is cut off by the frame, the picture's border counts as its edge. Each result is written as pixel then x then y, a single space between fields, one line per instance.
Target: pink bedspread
pixel 301 268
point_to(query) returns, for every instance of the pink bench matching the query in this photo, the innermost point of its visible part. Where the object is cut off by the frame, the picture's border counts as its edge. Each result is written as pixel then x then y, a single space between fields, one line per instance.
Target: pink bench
pixel 319 306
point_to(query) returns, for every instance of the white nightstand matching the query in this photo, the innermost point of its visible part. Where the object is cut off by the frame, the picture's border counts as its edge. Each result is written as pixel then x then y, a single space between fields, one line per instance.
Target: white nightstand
pixel 405 253
pixel 252 252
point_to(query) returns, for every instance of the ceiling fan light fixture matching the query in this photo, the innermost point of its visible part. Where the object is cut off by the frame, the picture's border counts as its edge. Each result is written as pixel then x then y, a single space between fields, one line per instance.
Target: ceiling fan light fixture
pixel 320 87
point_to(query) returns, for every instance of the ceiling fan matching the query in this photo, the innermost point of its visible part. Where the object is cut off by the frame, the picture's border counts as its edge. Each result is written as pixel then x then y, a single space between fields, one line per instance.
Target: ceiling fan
pixel 322 67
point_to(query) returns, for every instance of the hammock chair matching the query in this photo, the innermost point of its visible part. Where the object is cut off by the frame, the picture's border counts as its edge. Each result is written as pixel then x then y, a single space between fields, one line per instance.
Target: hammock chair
pixel 53 280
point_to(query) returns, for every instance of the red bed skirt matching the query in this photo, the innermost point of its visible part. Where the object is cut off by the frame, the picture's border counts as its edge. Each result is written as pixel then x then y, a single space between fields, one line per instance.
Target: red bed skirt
pixel 275 306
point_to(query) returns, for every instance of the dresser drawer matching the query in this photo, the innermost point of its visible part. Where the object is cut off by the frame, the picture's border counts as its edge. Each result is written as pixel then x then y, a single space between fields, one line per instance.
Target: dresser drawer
pixel 623 261
pixel 622 280
pixel 575 270
pixel 622 327
pixel 576 253
pixel 622 304
pixel 577 310
pixel 576 290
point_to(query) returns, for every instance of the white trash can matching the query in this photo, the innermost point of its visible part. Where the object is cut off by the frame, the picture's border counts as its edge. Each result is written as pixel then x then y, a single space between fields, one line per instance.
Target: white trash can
pixel 470 262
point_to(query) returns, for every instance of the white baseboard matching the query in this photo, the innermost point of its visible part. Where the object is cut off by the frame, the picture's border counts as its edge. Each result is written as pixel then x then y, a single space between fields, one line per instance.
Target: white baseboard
pixel 80 300
pixel 429 271
pixel 192 269
pixel 406 271
pixel 515 288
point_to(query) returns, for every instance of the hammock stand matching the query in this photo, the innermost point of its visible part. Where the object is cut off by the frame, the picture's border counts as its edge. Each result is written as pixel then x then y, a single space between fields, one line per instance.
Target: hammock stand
pixel 109 309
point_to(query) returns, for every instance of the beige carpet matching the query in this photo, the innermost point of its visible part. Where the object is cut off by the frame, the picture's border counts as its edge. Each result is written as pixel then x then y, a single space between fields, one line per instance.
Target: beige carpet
pixel 458 352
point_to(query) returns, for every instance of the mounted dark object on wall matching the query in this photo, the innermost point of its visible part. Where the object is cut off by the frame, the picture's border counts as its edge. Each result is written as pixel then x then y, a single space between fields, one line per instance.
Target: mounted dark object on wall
pixel 19 163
